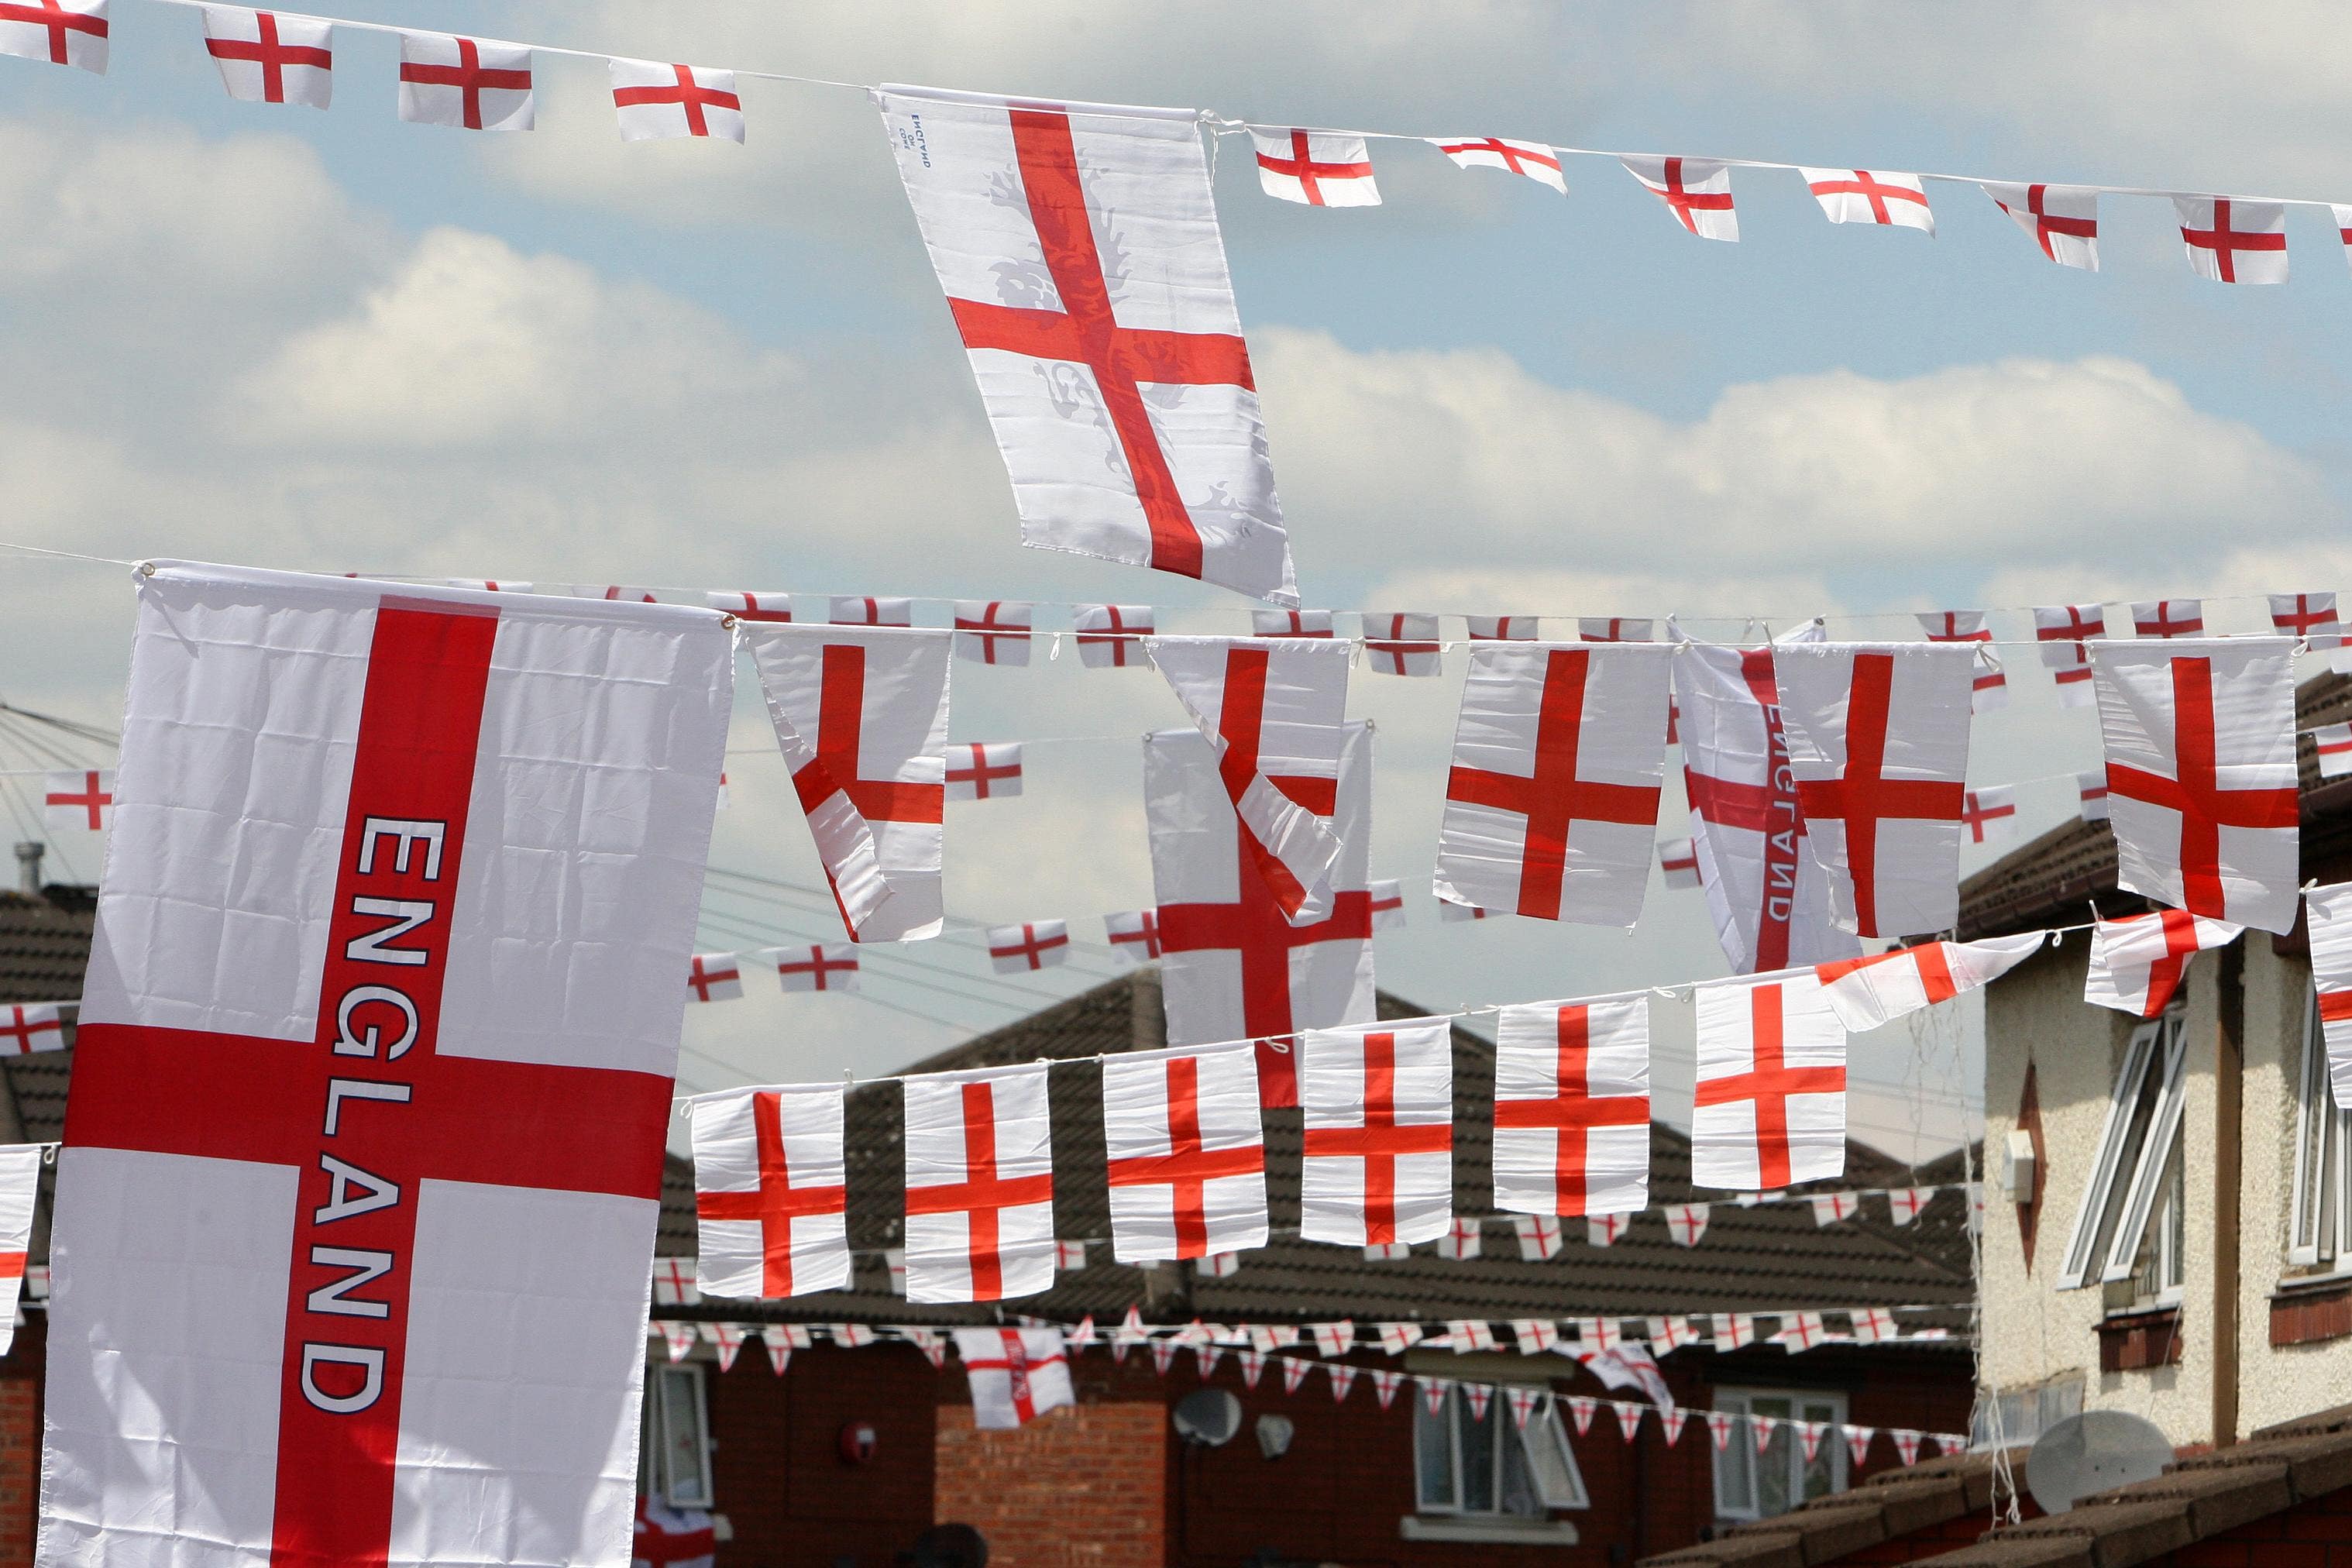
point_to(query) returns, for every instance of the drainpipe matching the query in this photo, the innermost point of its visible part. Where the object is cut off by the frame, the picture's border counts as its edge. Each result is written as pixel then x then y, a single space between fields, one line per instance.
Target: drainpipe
pixel 2229 1099
pixel 28 870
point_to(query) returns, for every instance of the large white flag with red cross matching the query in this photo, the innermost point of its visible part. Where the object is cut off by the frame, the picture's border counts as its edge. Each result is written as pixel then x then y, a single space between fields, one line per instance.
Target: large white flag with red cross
pixel 1376 1162
pixel 980 1184
pixel 20 1184
pixel 1552 803
pixel 1769 897
pixel 1866 993
pixel 1232 966
pixel 771 1194
pixel 2200 741
pixel 1272 710
pixel 1017 1374
pixel 343 1064
pixel 1770 1109
pixel 1878 735
pixel 2138 960
pixel 1078 247
pixel 1573 1107
pixel 1186 1158
pixel 2331 974
pixel 862 716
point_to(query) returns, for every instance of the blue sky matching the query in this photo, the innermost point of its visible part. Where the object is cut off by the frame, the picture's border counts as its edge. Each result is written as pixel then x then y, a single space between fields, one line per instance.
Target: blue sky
pixel 336 341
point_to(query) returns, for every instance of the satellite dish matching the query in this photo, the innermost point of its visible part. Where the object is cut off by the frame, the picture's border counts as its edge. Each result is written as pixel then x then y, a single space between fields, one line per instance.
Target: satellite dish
pixel 1209 1417
pixel 2094 1452
pixel 1273 1435
pixel 950 1546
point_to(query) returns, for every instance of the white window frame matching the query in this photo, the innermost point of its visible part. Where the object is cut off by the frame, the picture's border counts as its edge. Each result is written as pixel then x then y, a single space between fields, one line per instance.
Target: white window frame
pixel 1741 1403
pixel 1553 1470
pixel 2156 1045
pixel 2319 1225
pixel 661 1408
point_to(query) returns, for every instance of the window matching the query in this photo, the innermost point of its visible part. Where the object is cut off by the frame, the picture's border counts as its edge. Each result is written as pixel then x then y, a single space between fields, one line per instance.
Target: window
pixel 2319 1233
pixel 1750 1485
pixel 675 1446
pixel 2128 1231
pixel 1464 1463
pixel 2019 1415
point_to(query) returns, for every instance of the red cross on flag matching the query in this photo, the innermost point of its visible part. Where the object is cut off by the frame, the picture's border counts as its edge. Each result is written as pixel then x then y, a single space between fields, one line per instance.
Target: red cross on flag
pixel 1343 1378
pixel 20 1184
pixel 1314 168
pixel 1872 1325
pixel 1113 370
pixel 1573 1107
pixel 1398 643
pixel 1878 735
pixel 1866 993
pixel 1831 1207
pixel 1451 913
pixel 268 58
pixel 2343 217
pixel 1187 1159
pixel 1109 637
pixel 1533 159
pixel 2308 617
pixel 1881 197
pixel 992 631
pixel 1387 904
pixel 1669 1334
pixel 1686 1223
pixel 2062 631
pixel 325 1030
pixel 727 1340
pixel 1271 712
pixel 2331 974
pixel 1613 628
pixel 1990 687
pixel 1017 1374
pixel 62 32
pixel 479 84
pixel 674 1282
pixel 2200 741
pixel 79 800
pixel 1733 1331
pixel 1903 1204
pixel 493 585
pixel 1377 1160
pixel 1385 1386
pixel 1603 1229
pixel 2138 962
pixel 1539 1235
pixel 1462 1240
pixel 2232 241
pixel 1989 815
pixel 862 717
pixel 714 977
pixel 2062 220
pixel 1769 899
pixel 1698 192
pixel 983 770
pixel 1029 946
pixel 1678 860
pixel 2169 618
pixel 868 610
pixel 1236 968
pixel 1770 1104
pixel 749 606
pixel 656 100
pixel 979 1185
pixel 817 967
pixel 1333 1339
pixel 1134 936
pixel 1802 1332
pixel 673 1538
pixel 1907 1444
pixel 2091 796
pixel 1502 628
pixel 770 1197
pixel 1315 624
pixel 29 1026
pixel 1552 801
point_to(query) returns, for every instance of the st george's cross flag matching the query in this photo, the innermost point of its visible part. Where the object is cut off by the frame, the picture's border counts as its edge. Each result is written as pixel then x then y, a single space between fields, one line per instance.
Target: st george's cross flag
pixel 349 1081
pixel 1272 712
pixel 476 84
pixel 660 100
pixel 1866 993
pixel 1377 1165
pixel 1989 688
pixel 2064 632
pixel 20 1184
pixel 1187 1159
pixel 1881 197
pixel 2062 220
pixel 2309 617
pixel 1551 806
pixel 820 966
pixel 994 631
pixel 1110 637
pixel 1314 168
pixel 1769 897
pixel 62 32
pixel 671 1537
pixel 2138 962
pixel 2331 974
pixel 2200 741
pixel 983 770
pixel 29 1026
pixel 1234 967
pixel 1017 1374
pixel 1573 1107
pixel 2231 241
pixel 270 57
pixel 1535 160
pixel 1697 191
pixel 862 717
pixel 1402 642
pixel 1078 247
pixel 770 1194
pixel 980 1184
pixel 83 799
pixel 1770 1109
pixel 1878 736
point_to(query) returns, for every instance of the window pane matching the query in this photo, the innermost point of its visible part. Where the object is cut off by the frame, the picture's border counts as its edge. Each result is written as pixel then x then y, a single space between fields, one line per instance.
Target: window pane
pixel 1478 1448
pixel 2127 1152
pixel 1820 1478
pixel 684 1479
pixel 1432 1450
pixel 1776 1467
pixel 1551 1462
pixel 1518 1487
pixel 1735 1464
pixel 2311 1240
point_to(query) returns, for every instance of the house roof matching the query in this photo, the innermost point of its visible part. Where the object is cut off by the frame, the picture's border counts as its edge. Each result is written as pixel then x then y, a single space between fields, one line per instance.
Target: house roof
pixel 44 951
pixel 1756 1258
pixel 2049 880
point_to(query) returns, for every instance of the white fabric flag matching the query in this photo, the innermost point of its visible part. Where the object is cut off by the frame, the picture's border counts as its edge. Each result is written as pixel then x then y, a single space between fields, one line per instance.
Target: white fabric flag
pixel 1989 815
pixel 714 977
pixel 994 631
pixel 1398 642
pixel 2200 741
pixel 657 100
pixel 1187 1161
pixel 2138 961
pixel 1551 806
pixel 2091 795
pixel 1110 637
pixel 771 1191
pixel 1314 168
pixel 267 57
pixel 2062 220
pixel 342 807
pixel 2331 749
pixel 1377 1165
pixel 1990 689
pixel 869 610
pixel 1697 191
pixel 818 967
pixel 1573 1107
pixel 1017 1374
pixel 20 1184
pixel 2063 631
pixel 862 717
pixel 1387 904
pixel 1882 197
pixel 744 605
pixel 81 800
pixel 2308 617
pixel 1272 712
pixel 1078 249
pixel 2331 972
pixel 1678 861
pixel 2167 617
pixel 1029 946
pixel 1535 160
pixel 478 84
pixel 980 1184
pixel 1770 1109
pixel 62 32
pixel 1134 936
pixel 1866 993
pixel 2233 241
pixel 1878 734
pixel 29 1026
pixel 1769 899
pixel 983 770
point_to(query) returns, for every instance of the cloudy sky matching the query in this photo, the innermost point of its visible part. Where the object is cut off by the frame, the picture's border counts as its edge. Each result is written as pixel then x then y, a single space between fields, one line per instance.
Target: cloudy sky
pixel 334 342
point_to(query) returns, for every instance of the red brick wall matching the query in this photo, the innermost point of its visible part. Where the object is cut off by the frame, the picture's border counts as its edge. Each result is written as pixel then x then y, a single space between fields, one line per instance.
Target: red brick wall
pixel 20 1441
pixel 1075 1488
